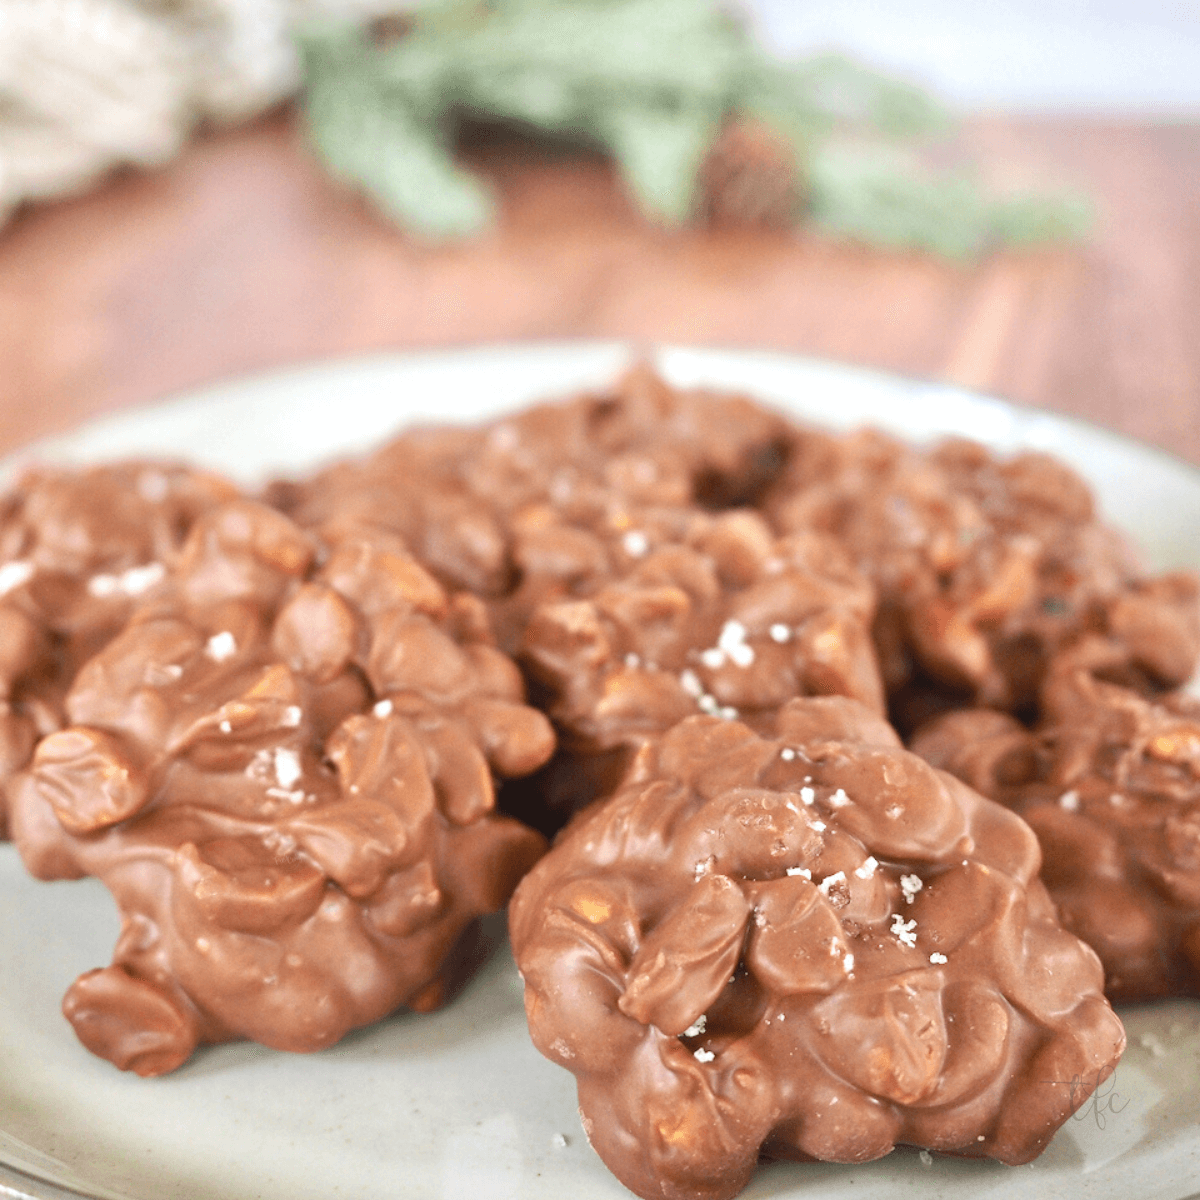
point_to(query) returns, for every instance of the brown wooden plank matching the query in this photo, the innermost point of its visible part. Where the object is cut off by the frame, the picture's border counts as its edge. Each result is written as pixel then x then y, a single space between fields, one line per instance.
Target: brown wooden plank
pixel 242 255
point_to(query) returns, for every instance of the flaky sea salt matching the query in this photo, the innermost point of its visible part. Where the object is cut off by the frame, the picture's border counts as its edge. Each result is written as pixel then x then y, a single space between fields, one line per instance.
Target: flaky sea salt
pixel 831 881
pixel 287 766
pixel 14 574
pixel 636 543
pixel 221 646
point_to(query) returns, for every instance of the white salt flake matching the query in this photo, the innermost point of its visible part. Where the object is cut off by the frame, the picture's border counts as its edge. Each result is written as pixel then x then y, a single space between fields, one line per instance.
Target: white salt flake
pixel 636 543
pixel 868 869
pixel 291 716
pixel 741 655
pixel 1116 799
pixel 13 574
pixel 704 1056
pixel 780 634
pixel 803 872
pixel 1069 800
pixel 807 795
pixel 137 580
pixel 133 582
pixel 633 660
pixel 221 646
pixel 831 881
pixel 713 658
pixel 787 754
pixel 938 959
pixel 820 826
pixel 383 708
pixel 295 796
pixel 926 1158
pixel 848 964
pixel 708 704
pixel 733 633
pixel 697 1027
pixel 728 713
pixel 287 766
pixel 910 885
pixel 559 1141
pixel 226 727
pixel 839 799
pixel 904 931
pixel 690 682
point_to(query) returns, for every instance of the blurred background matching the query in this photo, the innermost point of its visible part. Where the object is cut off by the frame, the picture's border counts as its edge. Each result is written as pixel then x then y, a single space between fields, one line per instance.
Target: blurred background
pixel 171 215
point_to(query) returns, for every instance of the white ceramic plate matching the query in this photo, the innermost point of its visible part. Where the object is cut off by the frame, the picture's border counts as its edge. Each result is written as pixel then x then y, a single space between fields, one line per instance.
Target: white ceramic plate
pixel 458 1105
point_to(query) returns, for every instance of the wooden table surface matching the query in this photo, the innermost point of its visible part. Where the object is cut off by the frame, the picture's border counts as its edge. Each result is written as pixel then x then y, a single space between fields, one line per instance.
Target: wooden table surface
pixel 242 255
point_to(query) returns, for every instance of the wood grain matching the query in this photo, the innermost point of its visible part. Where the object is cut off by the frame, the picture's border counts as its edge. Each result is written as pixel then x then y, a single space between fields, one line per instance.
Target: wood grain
pixel 242 255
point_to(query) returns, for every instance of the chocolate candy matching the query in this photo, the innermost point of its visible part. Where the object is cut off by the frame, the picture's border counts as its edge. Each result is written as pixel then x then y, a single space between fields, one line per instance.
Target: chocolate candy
pixel 77 548
pixel 1110 783
pixel 807 946
pixel 720 617
pixel 986 568
pixel 469 501
pixel 283 769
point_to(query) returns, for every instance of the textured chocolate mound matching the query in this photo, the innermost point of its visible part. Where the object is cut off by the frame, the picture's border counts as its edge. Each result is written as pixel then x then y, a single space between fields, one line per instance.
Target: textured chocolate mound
pixel 1110 783
pixel 712 615
pixel 810 946
pixel 76 550
pixel 986 568
pixel 283 769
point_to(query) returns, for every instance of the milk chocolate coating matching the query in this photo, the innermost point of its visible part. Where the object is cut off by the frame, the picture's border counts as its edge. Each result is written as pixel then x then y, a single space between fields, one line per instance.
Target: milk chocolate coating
pixel 1110 783
pixel 810 946
pixel 77 547
pixel 986 567
pixel 470 501
pixel 719 616
pixel 284 769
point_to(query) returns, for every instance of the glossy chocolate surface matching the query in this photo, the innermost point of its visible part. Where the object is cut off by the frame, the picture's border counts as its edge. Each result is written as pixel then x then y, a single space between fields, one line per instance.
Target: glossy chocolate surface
pixel 1110 782
pixel 283 769
pixel 807 946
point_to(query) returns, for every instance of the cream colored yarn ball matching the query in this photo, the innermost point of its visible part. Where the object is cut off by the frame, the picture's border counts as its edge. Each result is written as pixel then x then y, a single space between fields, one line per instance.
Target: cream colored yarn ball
pixel 86 85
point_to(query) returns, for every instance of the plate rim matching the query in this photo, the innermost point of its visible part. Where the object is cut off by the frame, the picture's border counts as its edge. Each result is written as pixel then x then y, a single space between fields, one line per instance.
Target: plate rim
pixel 49 448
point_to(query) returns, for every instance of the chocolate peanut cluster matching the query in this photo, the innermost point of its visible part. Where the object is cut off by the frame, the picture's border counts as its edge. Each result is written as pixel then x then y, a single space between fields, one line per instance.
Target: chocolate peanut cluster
pixel 277 732
pixel 532 503
pixel 987 568
pixel 725 619
pixel 77 548
pixel 807 946
pixel 1110 783
pixel 283 769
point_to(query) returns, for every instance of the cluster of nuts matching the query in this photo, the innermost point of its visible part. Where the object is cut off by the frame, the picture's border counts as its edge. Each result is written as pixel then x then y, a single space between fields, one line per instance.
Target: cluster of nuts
pixel 283 767
pixel 276 729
